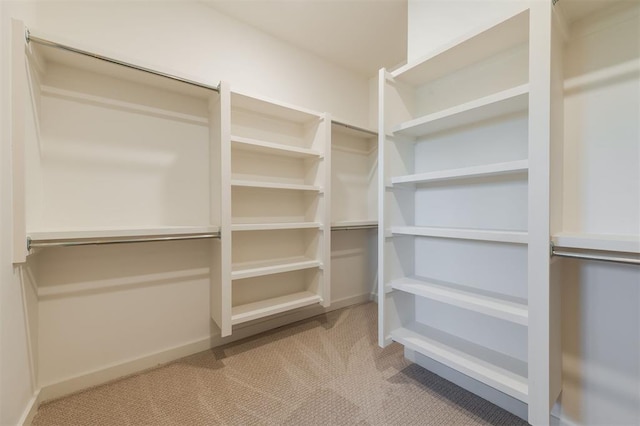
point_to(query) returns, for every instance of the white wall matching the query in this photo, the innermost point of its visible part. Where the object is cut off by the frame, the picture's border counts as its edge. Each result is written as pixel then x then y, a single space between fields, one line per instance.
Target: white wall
pixel 17 304
pixel 161 304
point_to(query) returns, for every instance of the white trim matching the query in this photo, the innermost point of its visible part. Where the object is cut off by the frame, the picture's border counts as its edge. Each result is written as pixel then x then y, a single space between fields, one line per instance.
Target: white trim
pixel 30 410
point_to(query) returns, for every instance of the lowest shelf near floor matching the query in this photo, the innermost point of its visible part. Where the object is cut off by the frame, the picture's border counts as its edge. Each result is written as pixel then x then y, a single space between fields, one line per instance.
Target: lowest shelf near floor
pixel 269 226
pixel 464 297
pixel 272 266
pixel 274 185
pixel 255 145
pixel 264 308
pixel 466 172
pixel 507 374
pixel 498 104
pixel 515 237
pixel 604 242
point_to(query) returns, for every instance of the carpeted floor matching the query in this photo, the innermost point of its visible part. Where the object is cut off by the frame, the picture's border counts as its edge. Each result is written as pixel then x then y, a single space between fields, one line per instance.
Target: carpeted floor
pixel 326 370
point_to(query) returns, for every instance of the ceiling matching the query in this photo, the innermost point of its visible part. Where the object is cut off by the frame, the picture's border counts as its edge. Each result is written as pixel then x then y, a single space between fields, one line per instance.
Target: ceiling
pixel 360 35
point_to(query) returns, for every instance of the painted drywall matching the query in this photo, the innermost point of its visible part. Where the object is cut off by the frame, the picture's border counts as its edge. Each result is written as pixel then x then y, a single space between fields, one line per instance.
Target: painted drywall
pixel 154 297
pixel 18 312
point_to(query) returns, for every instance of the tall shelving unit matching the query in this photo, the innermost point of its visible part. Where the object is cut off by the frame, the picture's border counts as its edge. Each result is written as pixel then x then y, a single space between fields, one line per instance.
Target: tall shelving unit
pixel 276 207
pixel 462 209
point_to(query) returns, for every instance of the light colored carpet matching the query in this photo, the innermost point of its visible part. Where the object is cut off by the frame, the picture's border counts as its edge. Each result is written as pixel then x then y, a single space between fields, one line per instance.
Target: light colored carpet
pixel 327 370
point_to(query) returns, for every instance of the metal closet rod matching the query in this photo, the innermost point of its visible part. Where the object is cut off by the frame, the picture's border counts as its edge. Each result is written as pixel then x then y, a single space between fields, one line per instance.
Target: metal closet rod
pixel 101 241
pixel 598 257
pixel 353 228
pixel 30 38
pixel 359 129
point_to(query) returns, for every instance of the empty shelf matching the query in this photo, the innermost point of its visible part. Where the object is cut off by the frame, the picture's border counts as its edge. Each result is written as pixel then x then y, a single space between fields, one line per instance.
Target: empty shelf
pixel 275 266
pixel 464 297
pixel 354 224
pixel 499 104
pixel 516 237
pixel 255 145
pixel 504 373
pixel 274 185
pixel 466 172
pixel 263 308
pixel 274 226
pixel 604 242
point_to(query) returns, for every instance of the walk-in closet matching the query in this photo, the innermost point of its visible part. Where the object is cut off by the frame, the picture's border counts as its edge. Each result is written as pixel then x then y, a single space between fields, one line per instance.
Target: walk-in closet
pixel 320 212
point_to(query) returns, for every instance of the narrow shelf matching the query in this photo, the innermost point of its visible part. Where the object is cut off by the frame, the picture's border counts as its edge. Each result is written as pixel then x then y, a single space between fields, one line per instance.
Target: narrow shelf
pixel 273 108
pixel 467 172
pixel 274 185
pixel 516 237
pixel 274 226
pixel 464 297
pixel 507 374
pixel 479 44
pixel 508 101
pixel 76 234
pixel 255 145
pixel 354 224
pixel 277 266
pixel 604 242
pixel 263 308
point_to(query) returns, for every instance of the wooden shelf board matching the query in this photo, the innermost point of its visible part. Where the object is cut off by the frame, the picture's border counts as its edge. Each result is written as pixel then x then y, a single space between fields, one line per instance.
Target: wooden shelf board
pixel 263 308
pixel 604 242
pixel 497 370
pixel 255 145
pixel 273 185
pixel 464 297
pixel 274 226
pixel 480 43
pixel 498 104
pixel 516 237
pixel 269 267
pixel 75 234
pixel 467 172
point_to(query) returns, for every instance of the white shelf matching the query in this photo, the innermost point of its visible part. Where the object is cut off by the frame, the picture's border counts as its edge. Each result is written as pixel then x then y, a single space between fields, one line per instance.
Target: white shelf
pixel 516 237
pixel 273 108
pixel 604 242
pixel 255 145
pixel 273 185
pixel 498 104
pixel 482 43
pixel 464 297
pixel 128 106
pixel 508 375
pixel 274 226
pixel 77 234
pixel 273 266
pixel 264 308
pixel 467 172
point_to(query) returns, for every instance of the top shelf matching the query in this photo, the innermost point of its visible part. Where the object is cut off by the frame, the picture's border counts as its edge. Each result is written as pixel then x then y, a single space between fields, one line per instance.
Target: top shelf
pixel 273 108
pixel 484 42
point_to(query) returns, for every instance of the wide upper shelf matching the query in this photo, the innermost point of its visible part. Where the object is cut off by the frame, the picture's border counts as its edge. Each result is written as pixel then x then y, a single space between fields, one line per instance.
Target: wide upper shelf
pixel 274 185
pixel 498 104
pixel 106 233
pixel 475 46
pixel 514 237
pixel 604 242
pixel 273 108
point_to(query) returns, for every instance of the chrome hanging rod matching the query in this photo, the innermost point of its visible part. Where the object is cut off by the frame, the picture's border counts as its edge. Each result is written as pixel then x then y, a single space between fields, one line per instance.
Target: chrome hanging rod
pixel 586 256
pixel 359 129
pixel 101 241
pixel 30 38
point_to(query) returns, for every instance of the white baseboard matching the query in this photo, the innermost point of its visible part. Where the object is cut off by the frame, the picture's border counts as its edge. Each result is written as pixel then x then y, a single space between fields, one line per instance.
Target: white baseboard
pixel 30 410
pixel 115 371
